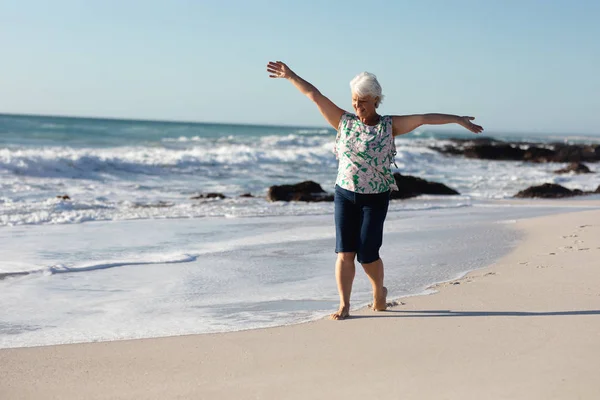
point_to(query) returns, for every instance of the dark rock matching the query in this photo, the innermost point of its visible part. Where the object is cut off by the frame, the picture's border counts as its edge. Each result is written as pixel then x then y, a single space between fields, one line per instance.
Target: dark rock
pixel 481 140
pixel 246 195
pixel 411 186
pixel 548 191
pixel 578 168
pixel 576 153
pixel 597 189
pixel 494 152
pixel 303 191
pixel 539 154
pixel 492 149
pixel 63 197
pixel 209 196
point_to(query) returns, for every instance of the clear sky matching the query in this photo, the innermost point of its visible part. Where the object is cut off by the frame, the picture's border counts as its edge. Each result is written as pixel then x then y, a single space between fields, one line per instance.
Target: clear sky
pixel 516 65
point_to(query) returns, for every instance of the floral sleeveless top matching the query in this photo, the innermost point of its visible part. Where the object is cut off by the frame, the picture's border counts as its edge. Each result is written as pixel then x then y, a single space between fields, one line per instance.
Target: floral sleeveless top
pixel 365 155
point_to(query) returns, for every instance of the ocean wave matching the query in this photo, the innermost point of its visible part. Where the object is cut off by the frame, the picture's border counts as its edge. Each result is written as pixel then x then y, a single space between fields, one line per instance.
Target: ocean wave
pixel 187 155
pixel 97 265
pixel 90 163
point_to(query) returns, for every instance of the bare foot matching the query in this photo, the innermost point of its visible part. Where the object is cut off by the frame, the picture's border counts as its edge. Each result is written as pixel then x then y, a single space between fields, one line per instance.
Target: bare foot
pixel 380 304
pixel 342 313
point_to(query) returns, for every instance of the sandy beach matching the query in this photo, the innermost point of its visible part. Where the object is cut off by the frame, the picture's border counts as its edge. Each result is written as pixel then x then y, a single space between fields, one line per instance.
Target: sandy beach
pixel 525 327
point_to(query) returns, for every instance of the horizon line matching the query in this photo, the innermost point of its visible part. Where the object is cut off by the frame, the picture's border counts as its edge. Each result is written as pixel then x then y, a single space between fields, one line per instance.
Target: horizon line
pixel 171 121
pixel 166 121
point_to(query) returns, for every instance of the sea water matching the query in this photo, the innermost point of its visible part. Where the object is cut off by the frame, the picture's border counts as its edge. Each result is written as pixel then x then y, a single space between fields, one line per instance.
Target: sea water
pixel 131 255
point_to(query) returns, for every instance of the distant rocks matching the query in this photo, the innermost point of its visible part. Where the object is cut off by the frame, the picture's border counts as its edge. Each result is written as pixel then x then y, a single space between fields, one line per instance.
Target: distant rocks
pixel 219 196
pixel 63 197
pixel 577 168
pixel 209 196
pixel 303 191
pixel 412 186
pixel 552 191
pixel 492 149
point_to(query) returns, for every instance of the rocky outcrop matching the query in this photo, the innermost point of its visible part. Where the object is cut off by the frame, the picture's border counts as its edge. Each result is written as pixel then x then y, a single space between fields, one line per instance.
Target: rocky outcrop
pixel 409 186
pixel 303 191
pixel 551 191
pixel 492 149
pixel 412 186
pixel 577 168
pixel 209 196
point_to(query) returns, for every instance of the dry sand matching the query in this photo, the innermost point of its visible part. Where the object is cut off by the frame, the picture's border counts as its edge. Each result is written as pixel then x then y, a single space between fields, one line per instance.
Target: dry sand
pixel 527 327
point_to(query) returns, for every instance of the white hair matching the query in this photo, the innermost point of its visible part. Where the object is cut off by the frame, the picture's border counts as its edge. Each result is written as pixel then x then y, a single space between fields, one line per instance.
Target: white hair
pixel 366 84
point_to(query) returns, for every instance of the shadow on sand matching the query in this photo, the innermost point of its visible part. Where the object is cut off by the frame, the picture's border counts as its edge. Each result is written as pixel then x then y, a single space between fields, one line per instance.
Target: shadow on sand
pixel 449 313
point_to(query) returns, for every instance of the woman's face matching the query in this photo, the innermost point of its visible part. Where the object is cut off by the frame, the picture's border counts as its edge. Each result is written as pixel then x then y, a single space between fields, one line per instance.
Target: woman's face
pixel 364 106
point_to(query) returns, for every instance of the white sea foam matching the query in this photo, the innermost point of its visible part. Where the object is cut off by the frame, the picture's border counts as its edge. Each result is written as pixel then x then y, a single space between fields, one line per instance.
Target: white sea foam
pixel 96 163
pixel 157 181
pixel 97 265
pixel 125 184
pixel 57 211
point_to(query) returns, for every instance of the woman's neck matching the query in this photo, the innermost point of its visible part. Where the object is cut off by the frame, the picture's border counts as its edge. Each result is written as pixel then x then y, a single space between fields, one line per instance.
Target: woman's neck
pixel 371 119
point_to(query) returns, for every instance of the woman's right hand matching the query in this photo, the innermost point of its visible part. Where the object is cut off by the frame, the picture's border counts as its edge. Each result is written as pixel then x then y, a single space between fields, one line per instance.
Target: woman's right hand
pixel 278 69
pixel 330 111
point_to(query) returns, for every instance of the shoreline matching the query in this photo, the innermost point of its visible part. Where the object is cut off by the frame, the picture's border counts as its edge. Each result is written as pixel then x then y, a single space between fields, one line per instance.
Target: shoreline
pixel 408 275
pixel 522 327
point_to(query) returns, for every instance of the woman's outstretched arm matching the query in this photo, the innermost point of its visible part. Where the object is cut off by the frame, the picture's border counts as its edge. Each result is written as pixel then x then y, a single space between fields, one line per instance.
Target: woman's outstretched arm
pixel 330 111
pixel 406 123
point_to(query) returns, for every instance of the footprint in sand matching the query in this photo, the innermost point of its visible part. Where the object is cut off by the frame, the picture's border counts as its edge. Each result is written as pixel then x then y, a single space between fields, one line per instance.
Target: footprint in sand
pixel 389 304
pixel 584 248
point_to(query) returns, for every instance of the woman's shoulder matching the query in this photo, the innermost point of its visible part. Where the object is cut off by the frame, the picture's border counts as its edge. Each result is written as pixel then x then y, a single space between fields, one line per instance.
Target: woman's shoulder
pixel 347 121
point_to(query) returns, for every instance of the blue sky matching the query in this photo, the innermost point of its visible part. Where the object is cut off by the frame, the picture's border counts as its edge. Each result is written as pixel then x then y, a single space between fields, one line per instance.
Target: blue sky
pixel 524 66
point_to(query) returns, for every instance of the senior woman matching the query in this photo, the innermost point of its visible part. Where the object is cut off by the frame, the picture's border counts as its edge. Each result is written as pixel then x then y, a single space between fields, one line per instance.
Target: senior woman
pixel 365 149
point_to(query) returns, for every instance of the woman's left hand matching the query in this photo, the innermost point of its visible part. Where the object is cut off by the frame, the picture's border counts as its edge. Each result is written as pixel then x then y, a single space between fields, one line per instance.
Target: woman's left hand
pixel 467 124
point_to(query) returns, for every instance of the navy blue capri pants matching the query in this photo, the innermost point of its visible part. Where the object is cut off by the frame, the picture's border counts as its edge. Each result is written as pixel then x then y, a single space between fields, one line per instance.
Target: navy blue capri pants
pixel 359 222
